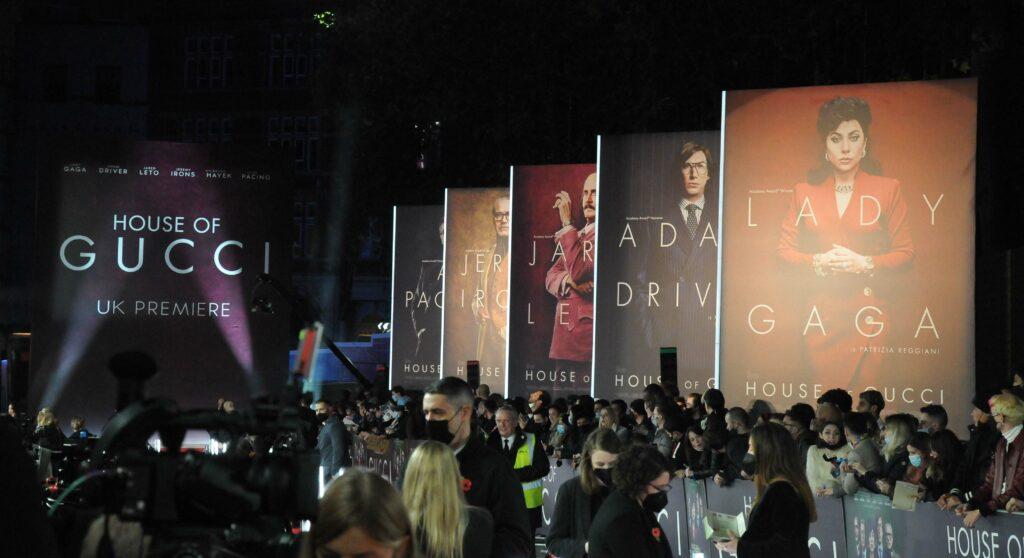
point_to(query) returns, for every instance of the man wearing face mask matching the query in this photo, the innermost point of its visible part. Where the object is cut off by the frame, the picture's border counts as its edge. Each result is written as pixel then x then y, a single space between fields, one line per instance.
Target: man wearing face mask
pixel 524 452
pixel 488 480
pixel 627 523
pixel 1005 477
pixel 331 440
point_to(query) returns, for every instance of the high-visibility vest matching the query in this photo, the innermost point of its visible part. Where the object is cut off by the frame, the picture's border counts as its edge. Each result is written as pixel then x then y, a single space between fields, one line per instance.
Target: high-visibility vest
pixel 533 491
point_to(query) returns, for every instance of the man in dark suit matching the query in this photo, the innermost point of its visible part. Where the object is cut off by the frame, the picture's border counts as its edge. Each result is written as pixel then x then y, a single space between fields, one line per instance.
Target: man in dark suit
pixel 331 442
pixel 692 259
pixel 524 452
pixel 488 480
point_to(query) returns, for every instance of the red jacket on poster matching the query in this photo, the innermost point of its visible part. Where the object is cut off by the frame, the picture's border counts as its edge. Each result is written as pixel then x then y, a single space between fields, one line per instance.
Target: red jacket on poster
pixel 845 310
pixel 571 281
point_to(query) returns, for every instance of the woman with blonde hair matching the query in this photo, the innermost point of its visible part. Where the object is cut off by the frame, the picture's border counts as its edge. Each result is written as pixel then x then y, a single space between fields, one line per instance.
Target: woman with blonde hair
pixel 1003 484
pixel 443 524
pixel 898 430
pixel 360 514
pixel 47 434
pixel 784 507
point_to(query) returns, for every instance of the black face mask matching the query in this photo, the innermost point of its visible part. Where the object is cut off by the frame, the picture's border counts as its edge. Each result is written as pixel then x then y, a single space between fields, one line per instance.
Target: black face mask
pixel 834 446
pixel 604 475
pixel 322 417
pixel 749 464
pixel 437 430
pixel 656 502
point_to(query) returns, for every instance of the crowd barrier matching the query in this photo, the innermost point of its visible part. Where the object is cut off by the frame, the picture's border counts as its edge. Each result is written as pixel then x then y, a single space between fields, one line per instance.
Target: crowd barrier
pixel 861 526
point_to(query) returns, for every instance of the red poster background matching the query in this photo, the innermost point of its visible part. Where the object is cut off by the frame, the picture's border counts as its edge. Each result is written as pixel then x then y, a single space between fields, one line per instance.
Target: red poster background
pixel 923 135
pixel 531 319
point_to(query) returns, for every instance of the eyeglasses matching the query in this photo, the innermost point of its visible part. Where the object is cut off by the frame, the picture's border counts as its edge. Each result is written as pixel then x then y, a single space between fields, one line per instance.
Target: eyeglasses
pixel 663 489
pixel 501 216
pixel 700 169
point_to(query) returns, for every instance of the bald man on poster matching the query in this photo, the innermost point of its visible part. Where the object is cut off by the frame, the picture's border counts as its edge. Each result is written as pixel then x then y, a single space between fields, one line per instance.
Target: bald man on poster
pixel 571 281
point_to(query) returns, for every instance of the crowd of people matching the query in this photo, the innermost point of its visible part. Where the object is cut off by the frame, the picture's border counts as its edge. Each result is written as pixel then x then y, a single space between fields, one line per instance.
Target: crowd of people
pixel 481 480
pixel 474 486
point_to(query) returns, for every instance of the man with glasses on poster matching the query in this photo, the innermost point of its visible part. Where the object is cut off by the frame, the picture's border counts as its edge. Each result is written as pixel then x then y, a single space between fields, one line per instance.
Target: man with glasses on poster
pixel 490 305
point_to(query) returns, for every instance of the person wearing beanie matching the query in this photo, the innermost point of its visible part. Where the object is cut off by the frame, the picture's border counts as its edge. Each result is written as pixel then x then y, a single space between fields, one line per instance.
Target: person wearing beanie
pixel 977 455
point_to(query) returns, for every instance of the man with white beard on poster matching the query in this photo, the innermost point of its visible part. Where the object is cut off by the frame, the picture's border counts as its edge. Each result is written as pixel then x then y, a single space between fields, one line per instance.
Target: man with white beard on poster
pixel 571 281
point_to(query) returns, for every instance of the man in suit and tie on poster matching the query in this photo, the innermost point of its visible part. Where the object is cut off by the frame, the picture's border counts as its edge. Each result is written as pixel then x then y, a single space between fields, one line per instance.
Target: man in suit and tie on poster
pixel 490 303
pixel 571 281
pixel 691 258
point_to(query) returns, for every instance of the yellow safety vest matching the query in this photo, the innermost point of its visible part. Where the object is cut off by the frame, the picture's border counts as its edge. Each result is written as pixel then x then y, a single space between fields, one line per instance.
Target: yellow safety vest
pixel 533 491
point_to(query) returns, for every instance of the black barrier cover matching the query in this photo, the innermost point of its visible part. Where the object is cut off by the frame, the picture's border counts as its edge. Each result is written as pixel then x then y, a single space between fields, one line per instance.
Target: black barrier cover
pixel 696 509
pixel 556 477
pixel 673 519
pixel 389 463
pixel 928 531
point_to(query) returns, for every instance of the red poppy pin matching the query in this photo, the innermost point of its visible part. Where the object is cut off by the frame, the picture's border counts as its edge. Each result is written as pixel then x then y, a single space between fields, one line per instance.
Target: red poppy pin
pixel 657 533
pixel 467 485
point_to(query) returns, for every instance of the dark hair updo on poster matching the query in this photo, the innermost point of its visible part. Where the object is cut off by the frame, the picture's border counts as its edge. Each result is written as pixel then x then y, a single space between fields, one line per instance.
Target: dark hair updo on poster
pixel 833 113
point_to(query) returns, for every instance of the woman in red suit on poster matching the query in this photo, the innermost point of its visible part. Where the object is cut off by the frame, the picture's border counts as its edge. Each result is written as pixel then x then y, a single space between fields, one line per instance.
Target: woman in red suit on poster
pixel 845 232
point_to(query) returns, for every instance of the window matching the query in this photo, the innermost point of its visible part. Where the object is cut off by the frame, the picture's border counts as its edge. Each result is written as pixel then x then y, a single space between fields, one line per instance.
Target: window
pixel 304 218
pixel 108 85
pixel 208 62
pixel 292 58
pixel 299 135
pixel 206 130
pixel 55 83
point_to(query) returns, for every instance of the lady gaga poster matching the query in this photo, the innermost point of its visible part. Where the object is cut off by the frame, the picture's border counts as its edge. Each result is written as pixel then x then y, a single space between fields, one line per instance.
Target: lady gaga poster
pixel 848 243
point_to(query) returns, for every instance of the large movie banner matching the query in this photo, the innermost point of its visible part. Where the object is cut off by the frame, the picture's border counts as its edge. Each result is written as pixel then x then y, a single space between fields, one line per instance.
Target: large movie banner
pixel 657 260
pixel 156 247
pixel 476 263
pixel 417 275
pixel 848 253
pixel 551 293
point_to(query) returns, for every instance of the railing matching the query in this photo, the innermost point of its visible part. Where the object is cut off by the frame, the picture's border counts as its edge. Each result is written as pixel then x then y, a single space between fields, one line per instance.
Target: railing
pixel 848 526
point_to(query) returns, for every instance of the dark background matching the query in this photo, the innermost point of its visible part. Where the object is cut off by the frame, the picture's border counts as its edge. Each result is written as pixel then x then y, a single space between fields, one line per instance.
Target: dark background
pixel 416 231
pixel 382 103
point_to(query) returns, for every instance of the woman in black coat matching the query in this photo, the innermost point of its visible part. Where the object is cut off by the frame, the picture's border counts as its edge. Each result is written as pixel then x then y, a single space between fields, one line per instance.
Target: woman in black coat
pixel 784 509
pixel 580 498
pixel 627 524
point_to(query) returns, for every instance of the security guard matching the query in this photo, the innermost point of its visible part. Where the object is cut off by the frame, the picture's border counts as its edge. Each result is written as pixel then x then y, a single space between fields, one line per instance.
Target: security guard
pixel 524 451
